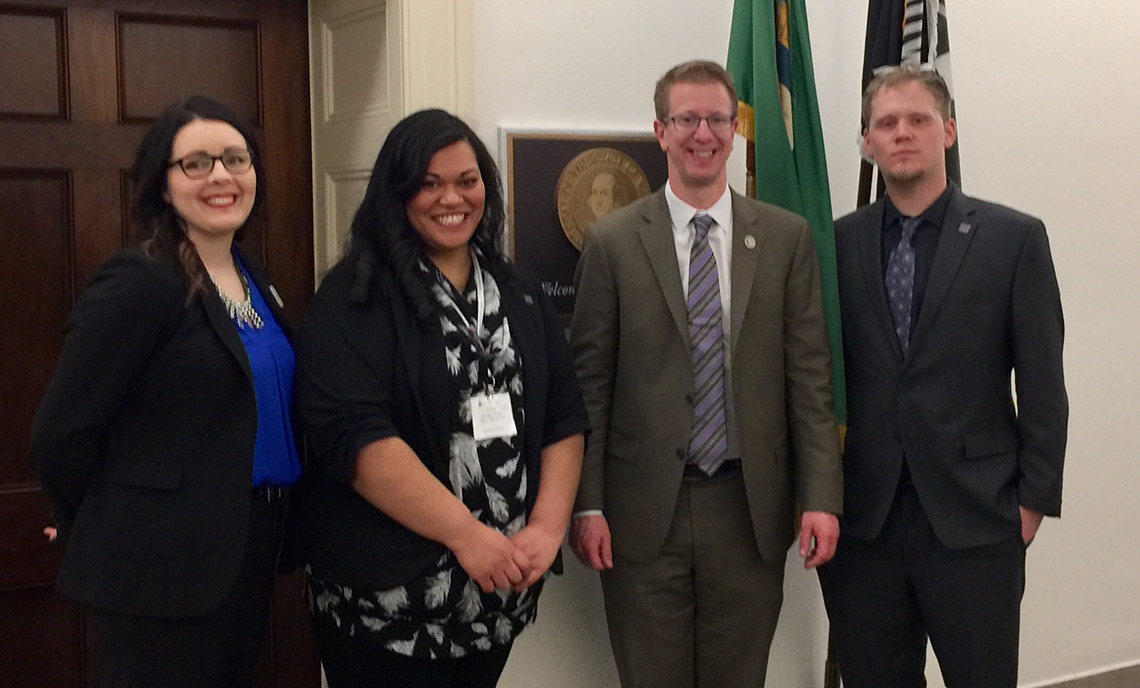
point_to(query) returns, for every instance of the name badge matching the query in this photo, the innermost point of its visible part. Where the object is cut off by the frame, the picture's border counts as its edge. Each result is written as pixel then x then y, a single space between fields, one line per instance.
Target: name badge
pixel 492 416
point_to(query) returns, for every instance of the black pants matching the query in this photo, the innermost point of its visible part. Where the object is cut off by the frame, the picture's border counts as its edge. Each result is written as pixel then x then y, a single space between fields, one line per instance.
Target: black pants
pixel 353 662
pixel 885 597
pixel 218 650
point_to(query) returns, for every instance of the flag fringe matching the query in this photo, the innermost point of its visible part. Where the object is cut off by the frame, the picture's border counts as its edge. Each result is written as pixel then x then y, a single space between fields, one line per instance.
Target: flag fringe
pixel 746 121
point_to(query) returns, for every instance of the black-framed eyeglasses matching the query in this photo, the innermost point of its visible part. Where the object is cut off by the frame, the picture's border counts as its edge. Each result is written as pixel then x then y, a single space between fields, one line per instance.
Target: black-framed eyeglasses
pixel 718 123
pixel 199 165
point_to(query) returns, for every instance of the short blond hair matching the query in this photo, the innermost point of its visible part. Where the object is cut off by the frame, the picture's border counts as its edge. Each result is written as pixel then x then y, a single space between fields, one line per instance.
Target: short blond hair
pixel 894 77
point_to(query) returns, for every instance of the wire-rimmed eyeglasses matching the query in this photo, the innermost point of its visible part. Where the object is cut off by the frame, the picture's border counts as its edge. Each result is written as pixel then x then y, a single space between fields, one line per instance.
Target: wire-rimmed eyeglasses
pixel 718 123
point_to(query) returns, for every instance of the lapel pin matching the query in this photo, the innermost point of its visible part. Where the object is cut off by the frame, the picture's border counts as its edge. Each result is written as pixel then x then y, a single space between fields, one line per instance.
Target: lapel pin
pixel 964 228
pixel 749 242
pixel 276 296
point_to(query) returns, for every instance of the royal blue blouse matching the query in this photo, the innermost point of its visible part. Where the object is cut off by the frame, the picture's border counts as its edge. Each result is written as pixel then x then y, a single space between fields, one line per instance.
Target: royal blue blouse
pixel 271 359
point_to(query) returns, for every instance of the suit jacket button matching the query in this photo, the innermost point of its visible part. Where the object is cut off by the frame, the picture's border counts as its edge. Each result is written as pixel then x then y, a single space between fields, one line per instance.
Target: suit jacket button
pixel 681 454
pixel 689 399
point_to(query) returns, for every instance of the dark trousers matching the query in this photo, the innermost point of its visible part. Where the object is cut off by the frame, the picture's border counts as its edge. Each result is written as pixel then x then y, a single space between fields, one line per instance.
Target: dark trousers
pixel 218 650
pixel 886 597
pixel 354 662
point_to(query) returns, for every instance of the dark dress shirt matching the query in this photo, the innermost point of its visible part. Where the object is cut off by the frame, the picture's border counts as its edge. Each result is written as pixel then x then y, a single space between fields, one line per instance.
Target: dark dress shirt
pixel 925 245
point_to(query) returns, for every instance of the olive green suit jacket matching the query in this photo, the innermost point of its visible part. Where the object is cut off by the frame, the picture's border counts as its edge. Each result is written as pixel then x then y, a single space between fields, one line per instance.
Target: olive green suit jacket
pixel 630 337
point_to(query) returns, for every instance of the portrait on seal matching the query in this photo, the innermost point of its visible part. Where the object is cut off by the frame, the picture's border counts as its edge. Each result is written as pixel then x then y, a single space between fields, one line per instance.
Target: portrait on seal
pixel 594 183
pixel 558 184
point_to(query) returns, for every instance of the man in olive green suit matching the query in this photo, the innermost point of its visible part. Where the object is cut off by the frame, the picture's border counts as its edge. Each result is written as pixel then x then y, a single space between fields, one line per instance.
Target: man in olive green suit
pixel 702 352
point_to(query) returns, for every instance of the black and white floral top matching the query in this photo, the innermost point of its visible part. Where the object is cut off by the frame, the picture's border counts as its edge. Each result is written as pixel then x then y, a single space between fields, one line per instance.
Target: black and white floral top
pixel 443 613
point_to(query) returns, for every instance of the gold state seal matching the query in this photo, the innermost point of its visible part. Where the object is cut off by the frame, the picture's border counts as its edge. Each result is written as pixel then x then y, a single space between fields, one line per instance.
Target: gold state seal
pixel 594 183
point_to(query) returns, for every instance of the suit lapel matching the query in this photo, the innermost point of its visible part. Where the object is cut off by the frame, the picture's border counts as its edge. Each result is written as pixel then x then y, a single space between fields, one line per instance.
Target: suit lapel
pixel 871 259
pixel 268 292
pixel 744 263
pixel 657 238
pixel 958 230
pixel 224 326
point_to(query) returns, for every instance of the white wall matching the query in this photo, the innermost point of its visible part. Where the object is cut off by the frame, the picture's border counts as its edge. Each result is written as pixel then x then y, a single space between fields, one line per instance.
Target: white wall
pixel 1047 93
pixel 1048 101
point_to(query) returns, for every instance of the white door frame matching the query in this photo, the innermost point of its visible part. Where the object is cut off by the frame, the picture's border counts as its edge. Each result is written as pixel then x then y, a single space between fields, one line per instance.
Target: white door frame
pixel 371 63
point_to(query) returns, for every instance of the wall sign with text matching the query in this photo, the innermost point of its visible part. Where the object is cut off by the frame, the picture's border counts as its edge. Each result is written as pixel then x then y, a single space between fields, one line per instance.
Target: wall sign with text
pixel 558 184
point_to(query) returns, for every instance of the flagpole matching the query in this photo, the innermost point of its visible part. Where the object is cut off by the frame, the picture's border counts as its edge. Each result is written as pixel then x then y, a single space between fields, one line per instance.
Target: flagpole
pixel 866 174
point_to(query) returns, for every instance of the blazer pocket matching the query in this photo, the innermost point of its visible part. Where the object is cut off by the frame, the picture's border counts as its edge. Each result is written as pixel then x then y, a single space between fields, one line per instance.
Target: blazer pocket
pixel 620 445
pixel 991 444
pixel 151 476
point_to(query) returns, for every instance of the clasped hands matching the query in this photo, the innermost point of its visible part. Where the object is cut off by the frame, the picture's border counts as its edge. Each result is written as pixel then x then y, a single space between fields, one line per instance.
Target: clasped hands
pixel 495 561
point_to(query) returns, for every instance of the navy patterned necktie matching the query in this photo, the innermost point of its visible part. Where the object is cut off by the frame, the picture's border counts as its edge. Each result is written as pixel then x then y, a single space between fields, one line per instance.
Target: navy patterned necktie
pixel 709 439
pixel 900 280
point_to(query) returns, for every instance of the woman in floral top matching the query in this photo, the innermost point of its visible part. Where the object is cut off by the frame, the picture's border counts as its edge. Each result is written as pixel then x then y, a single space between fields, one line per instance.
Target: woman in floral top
pixel 437 391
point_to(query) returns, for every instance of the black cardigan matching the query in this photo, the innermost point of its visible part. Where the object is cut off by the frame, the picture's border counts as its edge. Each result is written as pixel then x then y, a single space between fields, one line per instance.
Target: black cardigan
pixel 370 371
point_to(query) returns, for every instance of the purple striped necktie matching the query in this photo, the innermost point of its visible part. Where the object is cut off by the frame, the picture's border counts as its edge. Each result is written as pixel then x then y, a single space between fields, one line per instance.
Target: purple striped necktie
pixel 709 439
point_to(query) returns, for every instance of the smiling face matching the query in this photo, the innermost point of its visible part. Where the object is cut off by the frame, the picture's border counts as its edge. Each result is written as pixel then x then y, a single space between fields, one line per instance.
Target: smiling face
pixel 907 137
pixel 219 204
pixel 449 205
pixel 696 158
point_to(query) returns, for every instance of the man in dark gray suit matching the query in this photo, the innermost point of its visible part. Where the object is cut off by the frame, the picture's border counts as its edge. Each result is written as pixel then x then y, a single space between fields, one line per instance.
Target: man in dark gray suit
pixel 946 475
pixel 702 353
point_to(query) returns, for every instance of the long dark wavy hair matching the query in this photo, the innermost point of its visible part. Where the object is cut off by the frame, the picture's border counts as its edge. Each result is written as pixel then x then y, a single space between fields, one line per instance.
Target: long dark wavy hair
pixel 155 220
pixel 381 234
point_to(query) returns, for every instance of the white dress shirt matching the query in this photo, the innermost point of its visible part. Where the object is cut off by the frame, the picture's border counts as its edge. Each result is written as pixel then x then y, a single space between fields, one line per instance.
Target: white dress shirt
pixel 720 241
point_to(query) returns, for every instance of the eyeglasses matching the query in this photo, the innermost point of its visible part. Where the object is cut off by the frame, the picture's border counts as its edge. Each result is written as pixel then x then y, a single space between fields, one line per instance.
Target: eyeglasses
pixel 718 123
pixel 199 165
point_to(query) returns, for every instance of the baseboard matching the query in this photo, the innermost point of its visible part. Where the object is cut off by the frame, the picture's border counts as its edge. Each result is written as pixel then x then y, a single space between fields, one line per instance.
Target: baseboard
pixel 1123 677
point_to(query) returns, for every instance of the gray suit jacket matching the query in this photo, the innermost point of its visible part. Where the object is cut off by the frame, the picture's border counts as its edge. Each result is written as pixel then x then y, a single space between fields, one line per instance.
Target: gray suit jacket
pixel 992 306
pixel 630 338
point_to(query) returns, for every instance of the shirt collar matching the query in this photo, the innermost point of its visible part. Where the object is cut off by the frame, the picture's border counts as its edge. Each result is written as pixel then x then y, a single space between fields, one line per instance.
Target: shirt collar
pixel 681 213
pixel 933 214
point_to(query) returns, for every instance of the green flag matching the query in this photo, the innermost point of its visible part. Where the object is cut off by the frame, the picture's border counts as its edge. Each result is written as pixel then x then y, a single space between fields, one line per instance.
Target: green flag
pixel 769 57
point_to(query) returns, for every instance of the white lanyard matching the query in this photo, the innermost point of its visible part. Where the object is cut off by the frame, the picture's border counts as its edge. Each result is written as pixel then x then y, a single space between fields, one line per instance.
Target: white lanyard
pixel 476 330
pixel 491 413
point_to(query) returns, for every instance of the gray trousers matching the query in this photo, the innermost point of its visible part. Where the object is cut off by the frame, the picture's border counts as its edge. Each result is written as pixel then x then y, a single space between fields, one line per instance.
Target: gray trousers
pixel 703 612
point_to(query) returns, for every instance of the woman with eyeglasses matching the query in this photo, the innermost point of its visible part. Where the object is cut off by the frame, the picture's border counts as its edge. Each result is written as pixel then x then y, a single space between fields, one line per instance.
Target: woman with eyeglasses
pixel 164 438
pixel 437 391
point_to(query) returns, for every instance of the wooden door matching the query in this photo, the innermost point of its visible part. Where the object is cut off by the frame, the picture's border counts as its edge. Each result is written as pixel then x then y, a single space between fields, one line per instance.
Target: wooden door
pixel 79 82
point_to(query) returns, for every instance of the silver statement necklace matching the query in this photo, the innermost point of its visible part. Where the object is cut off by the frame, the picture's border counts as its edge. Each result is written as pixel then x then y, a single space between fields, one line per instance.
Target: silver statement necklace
pixel 242 313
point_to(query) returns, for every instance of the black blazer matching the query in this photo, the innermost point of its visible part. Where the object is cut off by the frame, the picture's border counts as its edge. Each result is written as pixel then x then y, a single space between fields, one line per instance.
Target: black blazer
pixel 375 370
pixel 992 306
pixel 144 441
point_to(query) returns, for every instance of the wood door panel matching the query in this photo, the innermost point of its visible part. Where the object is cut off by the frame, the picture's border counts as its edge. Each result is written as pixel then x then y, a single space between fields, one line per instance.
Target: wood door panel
pixel 79 82
pixel 35 296
pixel 98 198
pixel 31 560
pixel 215 56
pixel 94 94
pixel 288 160
pixel 41 640
pixel 32 48
pixel 72 145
